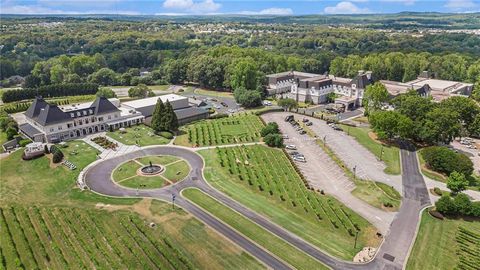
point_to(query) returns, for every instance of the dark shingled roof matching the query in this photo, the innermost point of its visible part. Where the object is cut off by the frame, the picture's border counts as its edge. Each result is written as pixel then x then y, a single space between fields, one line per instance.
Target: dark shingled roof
pixel 29 130
pixel 34 109
pixel 189 112
pixel 103 105
pixel 51 114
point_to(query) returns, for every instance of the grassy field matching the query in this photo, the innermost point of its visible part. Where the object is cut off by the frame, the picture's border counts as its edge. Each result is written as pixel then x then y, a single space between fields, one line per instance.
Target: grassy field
pixel 213 93
pixel 270 242
pixel 377 194
pixel 446 244
pixel 52 192
pixel 3 139
pixel 240 128
pixel 38 182
pixel 276 190
pixel 176 169
pixel 141 135
pixel 391 154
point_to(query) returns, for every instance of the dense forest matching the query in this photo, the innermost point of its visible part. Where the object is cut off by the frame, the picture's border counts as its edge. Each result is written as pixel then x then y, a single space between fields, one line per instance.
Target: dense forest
pixel 226 54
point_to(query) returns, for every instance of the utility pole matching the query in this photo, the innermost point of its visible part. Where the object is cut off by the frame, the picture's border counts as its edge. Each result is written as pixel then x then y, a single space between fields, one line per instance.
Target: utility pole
pixel 324 140
pixel 381 153
pixel 173 201
pixel 354 172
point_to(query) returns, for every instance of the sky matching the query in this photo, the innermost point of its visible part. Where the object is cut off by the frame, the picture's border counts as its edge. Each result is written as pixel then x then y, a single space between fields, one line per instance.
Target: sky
pixel 249 7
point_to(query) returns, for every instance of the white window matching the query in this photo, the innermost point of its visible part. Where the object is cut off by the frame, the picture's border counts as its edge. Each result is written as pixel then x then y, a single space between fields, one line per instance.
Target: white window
pixel 90 111
pixel 84 112
pixel 72 115
pixel 78 114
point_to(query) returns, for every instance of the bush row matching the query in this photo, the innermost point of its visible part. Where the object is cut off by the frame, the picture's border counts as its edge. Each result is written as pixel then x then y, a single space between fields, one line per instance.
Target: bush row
pixel 53 90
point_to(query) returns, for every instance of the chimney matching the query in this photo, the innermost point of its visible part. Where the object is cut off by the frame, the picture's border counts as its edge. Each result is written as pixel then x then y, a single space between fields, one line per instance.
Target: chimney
pixel 360 72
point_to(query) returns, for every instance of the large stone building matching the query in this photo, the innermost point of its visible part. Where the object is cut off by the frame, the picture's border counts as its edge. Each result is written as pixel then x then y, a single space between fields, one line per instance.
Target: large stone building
pixel 427 86
pixel 46 122
pixel 315 88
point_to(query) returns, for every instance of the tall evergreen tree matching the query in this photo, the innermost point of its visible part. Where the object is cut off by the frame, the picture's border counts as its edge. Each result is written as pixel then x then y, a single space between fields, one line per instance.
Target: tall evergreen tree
pixel 172 121
pixel 158 113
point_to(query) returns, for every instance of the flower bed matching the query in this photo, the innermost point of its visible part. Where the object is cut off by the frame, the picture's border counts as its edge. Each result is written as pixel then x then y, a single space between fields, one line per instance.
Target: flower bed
pixel 105 143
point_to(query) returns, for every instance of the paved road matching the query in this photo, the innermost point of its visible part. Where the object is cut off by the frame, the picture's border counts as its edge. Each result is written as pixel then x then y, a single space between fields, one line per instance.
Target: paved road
pixel 392 253
pixel 98 178
pixel 324 174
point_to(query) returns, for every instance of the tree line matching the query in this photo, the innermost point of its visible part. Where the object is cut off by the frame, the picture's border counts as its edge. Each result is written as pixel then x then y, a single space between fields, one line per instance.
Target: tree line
pixel 53 90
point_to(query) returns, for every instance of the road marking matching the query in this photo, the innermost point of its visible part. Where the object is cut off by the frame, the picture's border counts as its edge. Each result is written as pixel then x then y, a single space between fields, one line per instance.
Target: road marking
pixel 378 218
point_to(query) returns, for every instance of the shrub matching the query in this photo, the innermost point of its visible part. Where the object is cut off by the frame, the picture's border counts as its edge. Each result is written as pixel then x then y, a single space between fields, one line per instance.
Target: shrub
pixel 46 150
pixel 437 191
pixel 445 205
pixel 270 128
pixel 57 156
pixel 444 160
pixel 24 142
pixel 54 149
pixel 166 134
pixel 274 140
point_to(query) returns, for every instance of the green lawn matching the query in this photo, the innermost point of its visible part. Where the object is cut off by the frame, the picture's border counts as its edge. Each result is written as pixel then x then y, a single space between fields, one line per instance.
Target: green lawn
pixel 35 182
pixel 391 154
pixel 275 245
pixel 176 169
pixel 3 139
pixel 125 170
pixel 240 128
pixel 377 194
pixel 143 182
pixel 213 93
pixel 141 134
pixel 445 244
pixel 276 191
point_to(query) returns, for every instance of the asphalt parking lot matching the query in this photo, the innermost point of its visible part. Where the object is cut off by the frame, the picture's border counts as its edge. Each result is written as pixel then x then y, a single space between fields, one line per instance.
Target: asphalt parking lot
pixel 215 102
pixel 324 174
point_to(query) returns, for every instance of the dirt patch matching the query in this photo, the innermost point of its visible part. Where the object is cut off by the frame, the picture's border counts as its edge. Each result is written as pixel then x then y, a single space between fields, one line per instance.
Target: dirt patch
pixel 365 255
pixel 52 165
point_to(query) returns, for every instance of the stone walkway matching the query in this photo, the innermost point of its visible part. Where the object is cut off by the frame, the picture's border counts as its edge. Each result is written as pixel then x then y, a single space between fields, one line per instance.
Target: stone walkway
pixel 109 153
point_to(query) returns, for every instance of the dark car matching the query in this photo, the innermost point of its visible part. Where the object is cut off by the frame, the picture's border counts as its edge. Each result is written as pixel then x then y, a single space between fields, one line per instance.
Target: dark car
pixel 224 104
pixel 289 118
pixel 309 124
pixel 305 120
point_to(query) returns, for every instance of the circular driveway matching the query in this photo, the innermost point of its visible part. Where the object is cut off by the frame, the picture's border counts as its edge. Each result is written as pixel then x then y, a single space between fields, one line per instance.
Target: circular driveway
pixel 98 177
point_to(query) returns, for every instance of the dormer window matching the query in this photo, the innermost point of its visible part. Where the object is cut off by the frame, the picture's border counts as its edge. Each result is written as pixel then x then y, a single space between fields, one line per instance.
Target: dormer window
pixel 72 115
pixel 84 112
pixel 90 111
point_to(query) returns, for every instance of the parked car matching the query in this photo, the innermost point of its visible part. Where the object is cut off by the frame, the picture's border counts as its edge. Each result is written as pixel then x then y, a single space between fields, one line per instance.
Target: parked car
pixel 291 147
pixel 267 103
pixel 289 118
pixel 337 128
pixel 299 159
pixel 302 132
pixel 285 136
pixel 309 124
pixel 305 120
pixel 224 104
pixel 294 153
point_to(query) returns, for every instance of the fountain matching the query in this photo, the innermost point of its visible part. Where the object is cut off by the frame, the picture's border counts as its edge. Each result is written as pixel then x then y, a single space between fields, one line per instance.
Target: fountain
pixel 151 169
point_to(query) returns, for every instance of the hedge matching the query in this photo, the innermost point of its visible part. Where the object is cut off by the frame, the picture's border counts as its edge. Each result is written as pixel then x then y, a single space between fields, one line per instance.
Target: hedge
pixel 53 90
pixel 166 134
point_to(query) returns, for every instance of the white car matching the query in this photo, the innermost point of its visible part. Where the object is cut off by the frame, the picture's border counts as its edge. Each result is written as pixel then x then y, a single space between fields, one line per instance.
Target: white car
pixel 291 147
pixel 267 103
pixel 299 159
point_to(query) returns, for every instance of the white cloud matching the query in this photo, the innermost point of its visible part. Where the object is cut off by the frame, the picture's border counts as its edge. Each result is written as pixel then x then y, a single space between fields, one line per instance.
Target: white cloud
pixel 269 11
pixel 345 8
pixel 39 10
pixel 204 6
pixel 460 4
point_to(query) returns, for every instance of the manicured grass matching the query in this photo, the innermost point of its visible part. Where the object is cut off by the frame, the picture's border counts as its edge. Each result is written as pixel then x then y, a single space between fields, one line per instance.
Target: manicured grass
pixel 427 172
pixel 240 128
pixel 275 190
pixel 36 182
pixel 446 244
pixel 127 169
pixel 380 197
pixel 213 93
pixel 163 160
pixel 176 171
pixel 270 242
pixel 143 182
pixel 391 154
pixel 141 134
pixel 3 139
pixel 208 249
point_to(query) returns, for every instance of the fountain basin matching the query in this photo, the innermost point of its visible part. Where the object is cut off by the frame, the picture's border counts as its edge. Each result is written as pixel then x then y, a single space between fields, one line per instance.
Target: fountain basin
pixel 152 169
